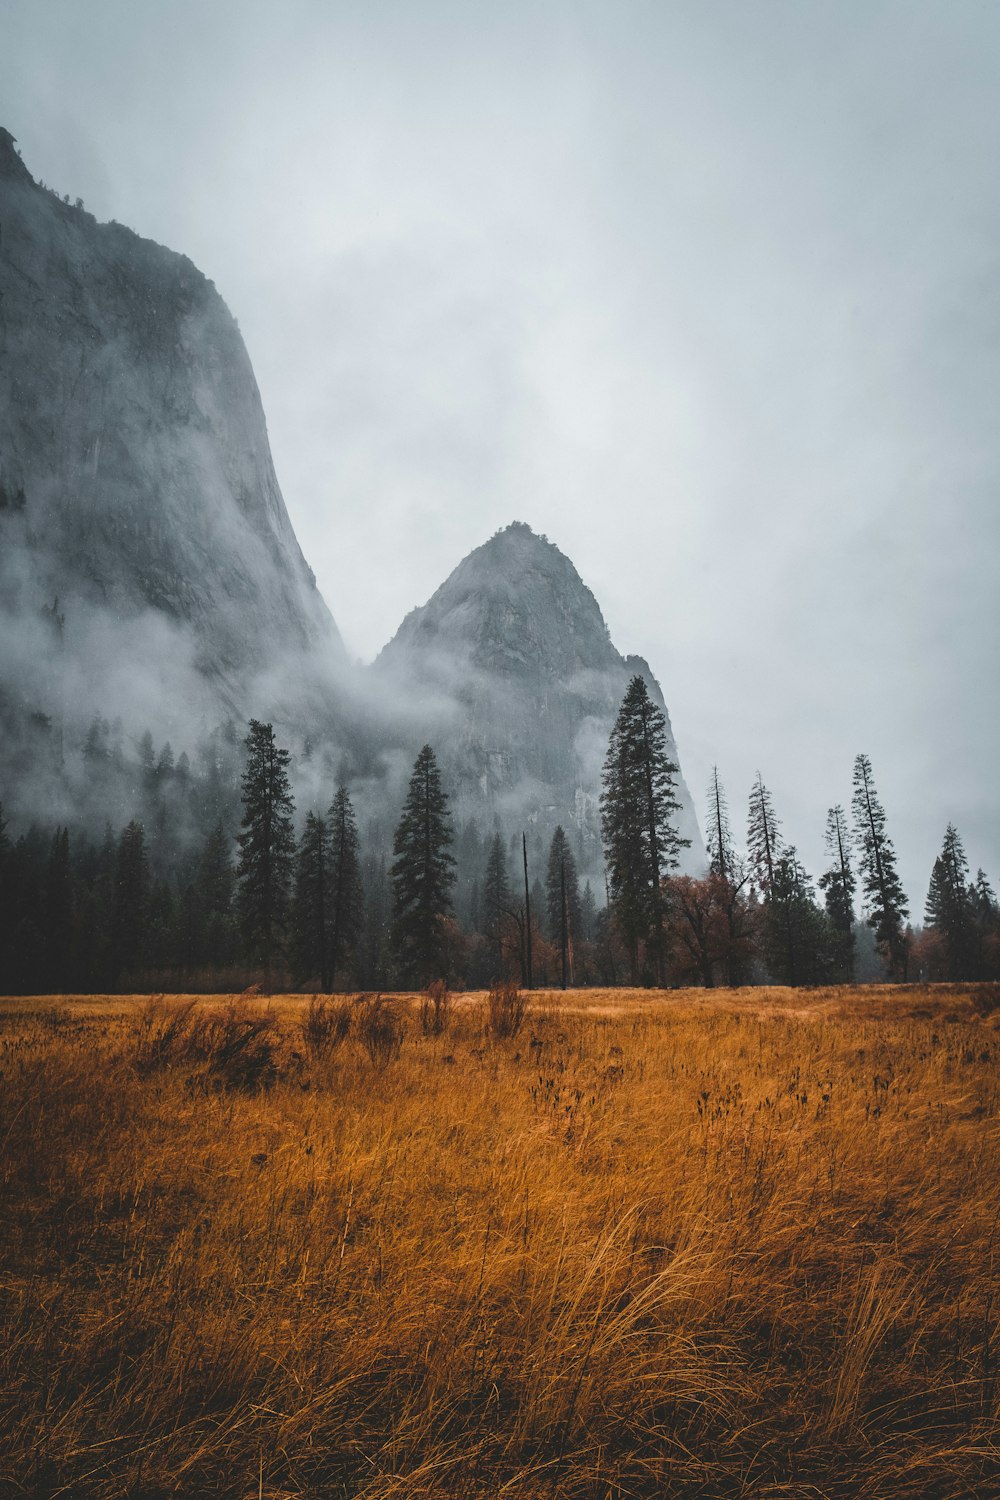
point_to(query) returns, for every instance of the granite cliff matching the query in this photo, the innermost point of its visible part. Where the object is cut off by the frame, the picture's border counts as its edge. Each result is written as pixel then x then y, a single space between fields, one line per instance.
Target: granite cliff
pixel 141 522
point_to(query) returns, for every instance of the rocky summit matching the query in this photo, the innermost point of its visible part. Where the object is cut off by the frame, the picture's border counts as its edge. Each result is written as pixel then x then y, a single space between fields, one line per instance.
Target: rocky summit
pixel 138 501
pixel 520 683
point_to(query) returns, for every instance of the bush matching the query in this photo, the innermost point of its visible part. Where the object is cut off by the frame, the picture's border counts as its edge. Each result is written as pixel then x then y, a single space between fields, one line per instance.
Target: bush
pixel 165 1034
pixel 505 1008
pixel 238 1048
pixel 381 1031
pixel 435 1009
pixel 986 998
pixel 326 1025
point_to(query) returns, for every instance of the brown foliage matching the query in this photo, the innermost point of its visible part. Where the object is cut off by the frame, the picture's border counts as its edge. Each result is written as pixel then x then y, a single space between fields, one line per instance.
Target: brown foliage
pixel 505 1006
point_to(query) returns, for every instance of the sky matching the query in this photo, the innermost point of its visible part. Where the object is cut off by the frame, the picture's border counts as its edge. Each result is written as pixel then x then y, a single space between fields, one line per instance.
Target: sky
pixel 706 292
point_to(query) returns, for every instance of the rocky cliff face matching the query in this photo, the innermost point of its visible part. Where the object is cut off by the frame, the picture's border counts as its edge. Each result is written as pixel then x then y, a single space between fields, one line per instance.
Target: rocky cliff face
pixel 519 684
pixel 136 482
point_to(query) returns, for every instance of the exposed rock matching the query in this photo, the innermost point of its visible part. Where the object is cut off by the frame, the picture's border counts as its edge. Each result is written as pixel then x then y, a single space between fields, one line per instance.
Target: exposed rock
pixel 136 481
pixel 520 683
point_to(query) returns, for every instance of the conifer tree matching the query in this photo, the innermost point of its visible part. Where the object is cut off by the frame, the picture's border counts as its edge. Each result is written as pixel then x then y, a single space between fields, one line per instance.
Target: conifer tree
pixel 422 875
pixel 346 892
pixel 496 901
pixel 763 837
pixel 986 927
pixel 562 901
pixel 838 883
pixel 949 909
pixel 131 899
pixel 729 878
pixel 796 932
pixel 638 807
pixel 884 901
pixel 267 845
pixel 719 840
pixel 310 906
pixel 214 882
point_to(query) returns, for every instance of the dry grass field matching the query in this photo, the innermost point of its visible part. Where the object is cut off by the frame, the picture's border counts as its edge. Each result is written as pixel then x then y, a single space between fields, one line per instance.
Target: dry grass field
pixel 741 1243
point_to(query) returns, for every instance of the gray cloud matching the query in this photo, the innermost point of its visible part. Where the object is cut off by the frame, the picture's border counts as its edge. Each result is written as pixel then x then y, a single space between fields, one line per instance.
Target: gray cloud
pixel 706 293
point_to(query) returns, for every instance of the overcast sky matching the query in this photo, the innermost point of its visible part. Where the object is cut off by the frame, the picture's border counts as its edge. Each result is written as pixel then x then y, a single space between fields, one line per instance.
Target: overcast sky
pixel 706 292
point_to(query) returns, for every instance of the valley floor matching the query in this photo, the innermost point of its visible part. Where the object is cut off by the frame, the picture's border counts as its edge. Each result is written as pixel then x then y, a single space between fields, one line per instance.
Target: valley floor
pixel 685 1244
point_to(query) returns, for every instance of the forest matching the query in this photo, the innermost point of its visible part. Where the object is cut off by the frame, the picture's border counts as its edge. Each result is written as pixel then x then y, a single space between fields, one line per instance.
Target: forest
pixel 218 882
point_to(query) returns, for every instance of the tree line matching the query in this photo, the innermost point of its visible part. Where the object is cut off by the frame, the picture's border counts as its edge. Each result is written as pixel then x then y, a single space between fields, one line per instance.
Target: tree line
pixel 314 910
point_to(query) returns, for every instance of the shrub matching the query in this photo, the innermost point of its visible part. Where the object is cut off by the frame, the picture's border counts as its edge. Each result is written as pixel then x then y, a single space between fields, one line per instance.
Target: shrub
pixel 986 998
pixel 165 1033
pixel 435 1009
pixel 326 1025
pixel 240 1047
pixel 505 1009
pixel 381 1031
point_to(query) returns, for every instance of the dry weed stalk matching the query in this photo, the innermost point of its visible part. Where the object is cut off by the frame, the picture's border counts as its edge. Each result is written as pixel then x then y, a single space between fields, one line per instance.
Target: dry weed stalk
pixel 435 1009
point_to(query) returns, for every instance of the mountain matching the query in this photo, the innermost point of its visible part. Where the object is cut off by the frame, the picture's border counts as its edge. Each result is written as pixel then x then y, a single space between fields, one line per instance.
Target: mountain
pixel 147 561
pixel 518 684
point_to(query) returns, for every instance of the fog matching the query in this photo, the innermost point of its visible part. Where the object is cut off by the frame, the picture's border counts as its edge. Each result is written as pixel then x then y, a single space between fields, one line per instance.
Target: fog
pixel 707 294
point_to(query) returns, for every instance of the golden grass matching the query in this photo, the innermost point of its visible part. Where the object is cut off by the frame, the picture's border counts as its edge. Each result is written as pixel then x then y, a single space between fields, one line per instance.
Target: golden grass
pixel 684 1244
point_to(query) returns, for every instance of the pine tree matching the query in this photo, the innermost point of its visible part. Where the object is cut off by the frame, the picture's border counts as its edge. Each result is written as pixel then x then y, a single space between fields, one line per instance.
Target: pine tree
pixel 496 903
pixel 58 924
pixel 131 899
pixel 838 885
pixel 885 903
pixel 719 841
pixel 796 932
pixel 310 905
pixel 562 902
pixel 729 878
pixel 950 907
pixel 346 893
pixel 638 805
pixel 214 884
pixel 422 875
pixel 267 845
pixel 986 927
pixel 763 837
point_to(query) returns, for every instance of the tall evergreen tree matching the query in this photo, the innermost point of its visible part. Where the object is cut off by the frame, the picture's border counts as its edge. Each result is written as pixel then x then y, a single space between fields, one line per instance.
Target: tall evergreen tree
pixel 562 902
pixel 638 807
pixel 763 837
pixel 422 875
pixel 950 907
pixel 58 924
pixel 496 903
pixel 729 879
pixel 346 891
pixel 267 845
pixel 719 839
pixel 131 899
pixel 311 904
pixel 986 927
pixel 885 903
pixel 837 883
pixel 796 931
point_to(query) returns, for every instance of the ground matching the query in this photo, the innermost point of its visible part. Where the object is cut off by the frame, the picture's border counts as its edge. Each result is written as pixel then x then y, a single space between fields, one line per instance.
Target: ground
pixel 682 1243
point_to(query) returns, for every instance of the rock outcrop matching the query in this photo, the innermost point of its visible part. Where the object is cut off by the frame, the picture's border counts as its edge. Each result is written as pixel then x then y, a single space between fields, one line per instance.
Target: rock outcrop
pixel 519 684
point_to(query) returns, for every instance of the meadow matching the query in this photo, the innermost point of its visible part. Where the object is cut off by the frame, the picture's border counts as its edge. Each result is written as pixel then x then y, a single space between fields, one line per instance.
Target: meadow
pixel 688 1243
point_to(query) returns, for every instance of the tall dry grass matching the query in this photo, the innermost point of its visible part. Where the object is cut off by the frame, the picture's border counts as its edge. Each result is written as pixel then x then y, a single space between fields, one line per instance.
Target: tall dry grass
pixel 682 1245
